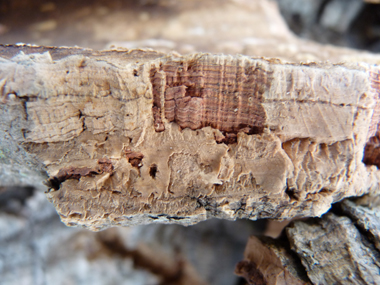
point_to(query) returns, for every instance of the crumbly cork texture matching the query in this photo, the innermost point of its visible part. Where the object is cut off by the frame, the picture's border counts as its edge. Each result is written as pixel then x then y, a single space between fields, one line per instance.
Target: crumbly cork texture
pixel 138 136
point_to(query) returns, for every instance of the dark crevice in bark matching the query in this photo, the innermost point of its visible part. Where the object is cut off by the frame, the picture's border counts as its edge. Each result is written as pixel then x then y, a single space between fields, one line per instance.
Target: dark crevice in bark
pixel 105 165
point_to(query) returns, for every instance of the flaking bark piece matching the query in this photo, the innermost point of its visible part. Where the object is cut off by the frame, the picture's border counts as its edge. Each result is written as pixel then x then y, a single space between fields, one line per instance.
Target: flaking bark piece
pixel 366 219
pixel 333 251
pixel 189 137
pixel 269 262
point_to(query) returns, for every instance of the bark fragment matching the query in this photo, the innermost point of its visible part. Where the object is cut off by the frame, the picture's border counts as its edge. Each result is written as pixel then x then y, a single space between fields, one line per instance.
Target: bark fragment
pixel 134 158
pixel 365 218
pixel 291 150
pixel 270 262
pixel 171 271
pixel 334 249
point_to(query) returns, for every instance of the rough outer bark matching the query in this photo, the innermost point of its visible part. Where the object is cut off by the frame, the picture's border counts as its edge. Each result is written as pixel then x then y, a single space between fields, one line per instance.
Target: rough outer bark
pixel 366 219
pixel 334 249
pixel 132 137
pixel 268 261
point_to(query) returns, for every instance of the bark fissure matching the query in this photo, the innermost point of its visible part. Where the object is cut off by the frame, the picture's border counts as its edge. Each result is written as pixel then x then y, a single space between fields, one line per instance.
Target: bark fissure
pixel 105 165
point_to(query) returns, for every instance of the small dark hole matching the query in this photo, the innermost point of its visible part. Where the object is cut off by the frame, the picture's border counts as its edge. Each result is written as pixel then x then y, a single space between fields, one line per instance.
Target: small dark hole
pixel 67 72
pixel 292 194
pixel 54 183
pixel 153 170
pixel 135 73
pixel 75 216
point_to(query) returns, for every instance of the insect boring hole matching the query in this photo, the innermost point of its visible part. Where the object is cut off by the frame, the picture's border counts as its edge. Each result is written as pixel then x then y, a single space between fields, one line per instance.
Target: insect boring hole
pixel 153 170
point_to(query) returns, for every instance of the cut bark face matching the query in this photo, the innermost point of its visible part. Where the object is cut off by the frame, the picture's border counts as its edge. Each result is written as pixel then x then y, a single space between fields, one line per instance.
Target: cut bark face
pixel 331 250
pixel 133 137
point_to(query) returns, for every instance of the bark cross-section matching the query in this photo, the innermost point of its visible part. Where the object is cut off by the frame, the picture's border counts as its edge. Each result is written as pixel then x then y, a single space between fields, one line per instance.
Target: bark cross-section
pixel 201 92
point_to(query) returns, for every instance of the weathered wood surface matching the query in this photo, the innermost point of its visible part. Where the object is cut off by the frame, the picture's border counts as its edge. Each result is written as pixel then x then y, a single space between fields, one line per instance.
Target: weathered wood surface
pixel 131 137
pixel 339 248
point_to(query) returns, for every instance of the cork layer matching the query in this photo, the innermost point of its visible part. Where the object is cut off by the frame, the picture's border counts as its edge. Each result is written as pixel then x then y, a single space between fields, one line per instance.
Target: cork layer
pixel 204 92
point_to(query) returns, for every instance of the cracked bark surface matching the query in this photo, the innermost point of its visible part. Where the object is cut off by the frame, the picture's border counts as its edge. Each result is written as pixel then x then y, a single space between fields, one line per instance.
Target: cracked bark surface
pixel 135 137
pixel 341 247
pixel 268 261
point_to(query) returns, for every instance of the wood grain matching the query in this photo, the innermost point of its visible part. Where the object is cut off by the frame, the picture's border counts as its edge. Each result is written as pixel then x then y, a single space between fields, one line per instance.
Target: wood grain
pixel 206 92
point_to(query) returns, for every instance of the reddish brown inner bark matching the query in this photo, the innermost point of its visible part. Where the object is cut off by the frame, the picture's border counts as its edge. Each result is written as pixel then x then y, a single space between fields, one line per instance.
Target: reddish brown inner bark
pixel 134 158
pixel 372 151
pixel 202 93
pixel 105 165
pixel 372 148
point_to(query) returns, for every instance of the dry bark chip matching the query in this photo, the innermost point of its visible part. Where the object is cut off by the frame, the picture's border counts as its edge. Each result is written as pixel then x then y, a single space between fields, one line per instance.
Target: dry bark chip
pixel 366 219
pixel 189 137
